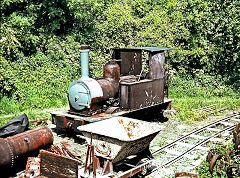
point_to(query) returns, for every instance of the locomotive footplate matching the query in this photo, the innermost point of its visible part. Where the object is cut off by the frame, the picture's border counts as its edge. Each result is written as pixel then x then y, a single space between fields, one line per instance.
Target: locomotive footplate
pixel 67 121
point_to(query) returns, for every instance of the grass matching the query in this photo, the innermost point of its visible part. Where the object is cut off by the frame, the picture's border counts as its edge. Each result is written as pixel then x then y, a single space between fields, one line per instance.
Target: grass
pixel 32 115
pixel 203 90
pixel 185 106
pixel 188 93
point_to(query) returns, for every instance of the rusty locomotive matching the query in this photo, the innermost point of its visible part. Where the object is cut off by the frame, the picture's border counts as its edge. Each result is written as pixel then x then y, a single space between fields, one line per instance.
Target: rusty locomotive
pixel 134 84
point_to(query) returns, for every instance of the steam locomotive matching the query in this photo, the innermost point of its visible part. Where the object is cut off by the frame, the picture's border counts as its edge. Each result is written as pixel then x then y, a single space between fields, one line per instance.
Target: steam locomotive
pixel 134 84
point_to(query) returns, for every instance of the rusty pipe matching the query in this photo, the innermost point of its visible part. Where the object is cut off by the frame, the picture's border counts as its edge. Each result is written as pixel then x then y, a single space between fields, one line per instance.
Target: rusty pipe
pixel 23 143
pixel 110 81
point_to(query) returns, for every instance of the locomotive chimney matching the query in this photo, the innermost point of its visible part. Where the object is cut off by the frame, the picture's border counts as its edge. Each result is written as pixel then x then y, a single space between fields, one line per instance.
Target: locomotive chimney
pixel 84 57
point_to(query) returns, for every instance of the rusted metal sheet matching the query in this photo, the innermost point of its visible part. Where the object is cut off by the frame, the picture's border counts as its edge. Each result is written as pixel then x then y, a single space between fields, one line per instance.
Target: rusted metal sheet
pixel 131 63
pixel 137 95
pixel 110 81
pixel 23 143
pixel 109 88
pixel 131 60
pixel 186 175
pixel 38 122
pixel 156 65
pixel 61 121
pixel 64 149
pixel 54 165
pixel 212 159
pixel 71 120
pixel 32 167
pixel 236 134
pixel 123 138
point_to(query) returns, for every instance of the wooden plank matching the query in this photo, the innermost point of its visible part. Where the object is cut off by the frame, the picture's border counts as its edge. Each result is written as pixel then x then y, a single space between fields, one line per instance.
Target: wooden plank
pixel 190 146
pixel 216 140
pixel 234 119
pixel 227 123
pixel 213 129
pixel 198 137
pixel 177 153
pixel 173 152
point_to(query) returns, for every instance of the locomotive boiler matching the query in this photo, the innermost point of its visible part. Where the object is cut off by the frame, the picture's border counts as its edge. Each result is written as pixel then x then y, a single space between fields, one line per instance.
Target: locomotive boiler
pixel 134 84
pixel 85 93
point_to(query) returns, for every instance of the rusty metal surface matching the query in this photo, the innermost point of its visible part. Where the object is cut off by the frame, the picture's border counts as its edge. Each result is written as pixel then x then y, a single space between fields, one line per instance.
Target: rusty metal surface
pixel 119 137
pixel 111 110
pixel 6 154
pixel 94 162
pixel 69 121
pixel 54 165
pixel 111 70
pixel 131 63
pixel 84 47
pixel 32 167
pixel 236 134
pixel 110 81
pixel 61 121
pixel 108 167
pixel 128 78
pixel 109 88
pixel 38 122
pixel 65 149
pixel 137 95
pixel 131 60
pixel 24 143
pixel 212 161
pixel 156 65
pixel 186 175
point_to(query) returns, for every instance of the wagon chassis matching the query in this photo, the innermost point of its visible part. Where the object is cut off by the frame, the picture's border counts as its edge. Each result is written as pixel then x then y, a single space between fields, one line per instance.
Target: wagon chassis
pixel 67 121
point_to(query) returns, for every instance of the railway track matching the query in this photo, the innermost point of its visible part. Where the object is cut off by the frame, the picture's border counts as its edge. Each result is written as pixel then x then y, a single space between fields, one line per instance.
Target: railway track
pixel 213 131
pixel 200 139
pixel 227 123
pixel 210 110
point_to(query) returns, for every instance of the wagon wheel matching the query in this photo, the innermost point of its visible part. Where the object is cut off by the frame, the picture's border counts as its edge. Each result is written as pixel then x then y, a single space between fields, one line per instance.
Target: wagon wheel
pixel 233 170
pixel 144 172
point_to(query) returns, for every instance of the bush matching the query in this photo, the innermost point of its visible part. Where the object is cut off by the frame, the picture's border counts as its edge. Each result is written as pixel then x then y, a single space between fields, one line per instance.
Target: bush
pixel 40 42
pixel 200 85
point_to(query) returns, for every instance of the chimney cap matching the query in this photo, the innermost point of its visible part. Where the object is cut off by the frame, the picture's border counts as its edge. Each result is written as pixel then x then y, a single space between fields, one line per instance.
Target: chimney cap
pixel 84 47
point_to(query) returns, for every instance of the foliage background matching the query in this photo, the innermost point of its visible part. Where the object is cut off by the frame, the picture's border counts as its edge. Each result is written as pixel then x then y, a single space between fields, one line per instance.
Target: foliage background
pixel 40 42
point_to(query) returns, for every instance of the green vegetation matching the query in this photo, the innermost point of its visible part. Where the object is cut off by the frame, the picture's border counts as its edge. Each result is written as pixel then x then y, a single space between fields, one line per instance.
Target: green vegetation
pixel 200 90
pixel 40 42
pixel 226 165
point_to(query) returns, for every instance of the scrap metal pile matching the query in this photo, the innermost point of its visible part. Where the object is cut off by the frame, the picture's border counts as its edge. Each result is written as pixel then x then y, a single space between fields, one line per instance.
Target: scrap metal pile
pixel 111 150
pixel 35 149
pixel 226 162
